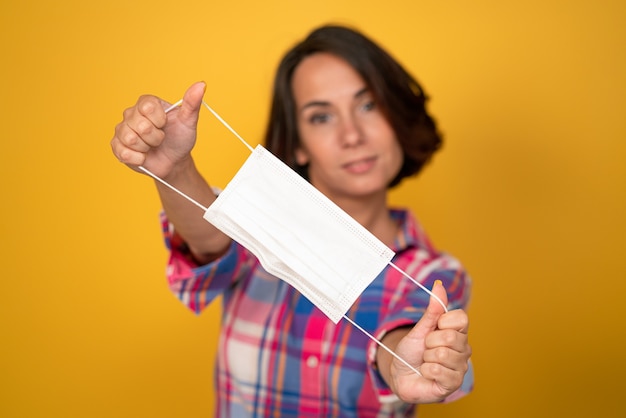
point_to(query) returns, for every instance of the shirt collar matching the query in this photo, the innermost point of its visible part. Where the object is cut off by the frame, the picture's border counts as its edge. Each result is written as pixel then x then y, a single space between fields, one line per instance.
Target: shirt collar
pixel 410 234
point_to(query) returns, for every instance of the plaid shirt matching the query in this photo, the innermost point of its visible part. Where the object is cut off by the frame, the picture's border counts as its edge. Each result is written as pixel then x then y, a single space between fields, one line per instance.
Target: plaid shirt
pixel 280 356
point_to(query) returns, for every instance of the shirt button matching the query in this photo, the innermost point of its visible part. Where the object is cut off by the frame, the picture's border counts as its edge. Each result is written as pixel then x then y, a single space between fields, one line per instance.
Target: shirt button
pixel 312 362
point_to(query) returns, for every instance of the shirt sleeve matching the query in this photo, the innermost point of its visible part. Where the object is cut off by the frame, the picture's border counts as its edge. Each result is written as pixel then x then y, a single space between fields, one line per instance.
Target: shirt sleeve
pixel 410 307
pixel 196 286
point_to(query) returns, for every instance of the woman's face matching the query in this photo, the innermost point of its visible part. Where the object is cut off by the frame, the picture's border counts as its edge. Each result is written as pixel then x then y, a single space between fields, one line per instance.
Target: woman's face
pixel 350 147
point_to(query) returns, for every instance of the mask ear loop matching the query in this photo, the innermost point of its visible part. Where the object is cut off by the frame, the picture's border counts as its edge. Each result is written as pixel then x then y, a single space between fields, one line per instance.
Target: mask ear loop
pixel 228 126
pixel 370 336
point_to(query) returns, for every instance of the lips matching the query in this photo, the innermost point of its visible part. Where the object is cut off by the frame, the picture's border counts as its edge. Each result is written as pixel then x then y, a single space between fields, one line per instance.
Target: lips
pixel 360 166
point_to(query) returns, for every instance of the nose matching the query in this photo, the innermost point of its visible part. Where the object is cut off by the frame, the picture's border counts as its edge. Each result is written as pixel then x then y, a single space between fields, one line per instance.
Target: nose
pixel 351 132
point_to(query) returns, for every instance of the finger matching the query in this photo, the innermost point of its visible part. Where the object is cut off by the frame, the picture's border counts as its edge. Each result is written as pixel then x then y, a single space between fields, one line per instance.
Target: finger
pixel 144 122
pixel 134 138
pixel 125 154
pixel 152 109
pixel 456 320
pixel 429 320
pixel 190 107
pixel 452 339
pixel 450 357
pixel 447 378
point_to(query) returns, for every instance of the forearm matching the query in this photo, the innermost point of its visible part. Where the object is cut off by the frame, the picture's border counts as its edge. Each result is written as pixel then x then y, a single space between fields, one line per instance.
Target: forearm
pixel 204 241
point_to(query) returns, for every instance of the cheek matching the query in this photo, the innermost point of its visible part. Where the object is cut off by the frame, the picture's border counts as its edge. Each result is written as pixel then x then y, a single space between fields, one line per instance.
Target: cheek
pixel 316 143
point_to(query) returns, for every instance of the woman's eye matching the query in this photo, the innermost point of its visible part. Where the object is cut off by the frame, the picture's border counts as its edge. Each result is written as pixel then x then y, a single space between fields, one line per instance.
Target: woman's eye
pixel 370 105
pixel 318 118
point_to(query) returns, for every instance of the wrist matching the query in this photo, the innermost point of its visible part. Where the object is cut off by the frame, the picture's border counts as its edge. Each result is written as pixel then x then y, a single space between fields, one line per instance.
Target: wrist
pixel 181 171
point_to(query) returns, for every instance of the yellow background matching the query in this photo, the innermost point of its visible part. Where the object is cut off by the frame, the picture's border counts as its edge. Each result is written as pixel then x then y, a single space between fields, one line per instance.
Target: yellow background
pixel 529 191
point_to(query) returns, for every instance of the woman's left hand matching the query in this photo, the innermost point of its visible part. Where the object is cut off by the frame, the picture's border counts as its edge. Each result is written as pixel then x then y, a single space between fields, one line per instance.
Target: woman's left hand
pixel 438 347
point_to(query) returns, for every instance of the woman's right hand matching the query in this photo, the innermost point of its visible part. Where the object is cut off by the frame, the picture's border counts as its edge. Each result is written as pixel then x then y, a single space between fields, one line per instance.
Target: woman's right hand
pixel 161 142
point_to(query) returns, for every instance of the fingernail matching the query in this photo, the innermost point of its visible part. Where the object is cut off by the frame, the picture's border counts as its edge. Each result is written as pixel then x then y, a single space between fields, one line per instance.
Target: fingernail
pixel 437 282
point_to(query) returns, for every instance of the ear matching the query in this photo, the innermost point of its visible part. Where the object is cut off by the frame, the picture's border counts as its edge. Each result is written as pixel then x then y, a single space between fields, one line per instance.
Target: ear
pixel 302 157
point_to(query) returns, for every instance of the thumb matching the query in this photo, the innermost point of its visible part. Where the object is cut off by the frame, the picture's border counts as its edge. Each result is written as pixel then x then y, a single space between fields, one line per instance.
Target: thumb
pixel 190 107
pixel 429 320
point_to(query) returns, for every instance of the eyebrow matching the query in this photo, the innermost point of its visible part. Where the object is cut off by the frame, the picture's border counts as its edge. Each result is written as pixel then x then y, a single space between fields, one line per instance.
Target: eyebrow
pixel 315 103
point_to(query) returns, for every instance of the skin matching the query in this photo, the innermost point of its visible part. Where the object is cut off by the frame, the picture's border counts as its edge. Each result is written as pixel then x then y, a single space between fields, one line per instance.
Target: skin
pixel 352 153
pixel 350 147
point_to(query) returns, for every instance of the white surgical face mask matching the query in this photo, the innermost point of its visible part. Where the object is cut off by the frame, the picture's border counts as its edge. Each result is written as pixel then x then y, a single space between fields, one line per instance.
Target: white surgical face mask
pixel 298 234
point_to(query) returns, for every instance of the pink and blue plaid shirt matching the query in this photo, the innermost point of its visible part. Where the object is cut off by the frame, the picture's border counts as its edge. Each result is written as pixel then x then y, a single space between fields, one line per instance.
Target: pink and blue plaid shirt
pixel 280 356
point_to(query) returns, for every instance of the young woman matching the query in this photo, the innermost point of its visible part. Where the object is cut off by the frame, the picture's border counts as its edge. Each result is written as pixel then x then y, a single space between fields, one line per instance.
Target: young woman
pixel 349 119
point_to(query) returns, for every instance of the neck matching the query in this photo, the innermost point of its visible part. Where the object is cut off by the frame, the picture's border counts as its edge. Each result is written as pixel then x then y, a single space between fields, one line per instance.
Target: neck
pixel 373 214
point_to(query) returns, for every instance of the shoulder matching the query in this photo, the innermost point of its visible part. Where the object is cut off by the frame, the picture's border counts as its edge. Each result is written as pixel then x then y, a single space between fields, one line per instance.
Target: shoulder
pixel 411 234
